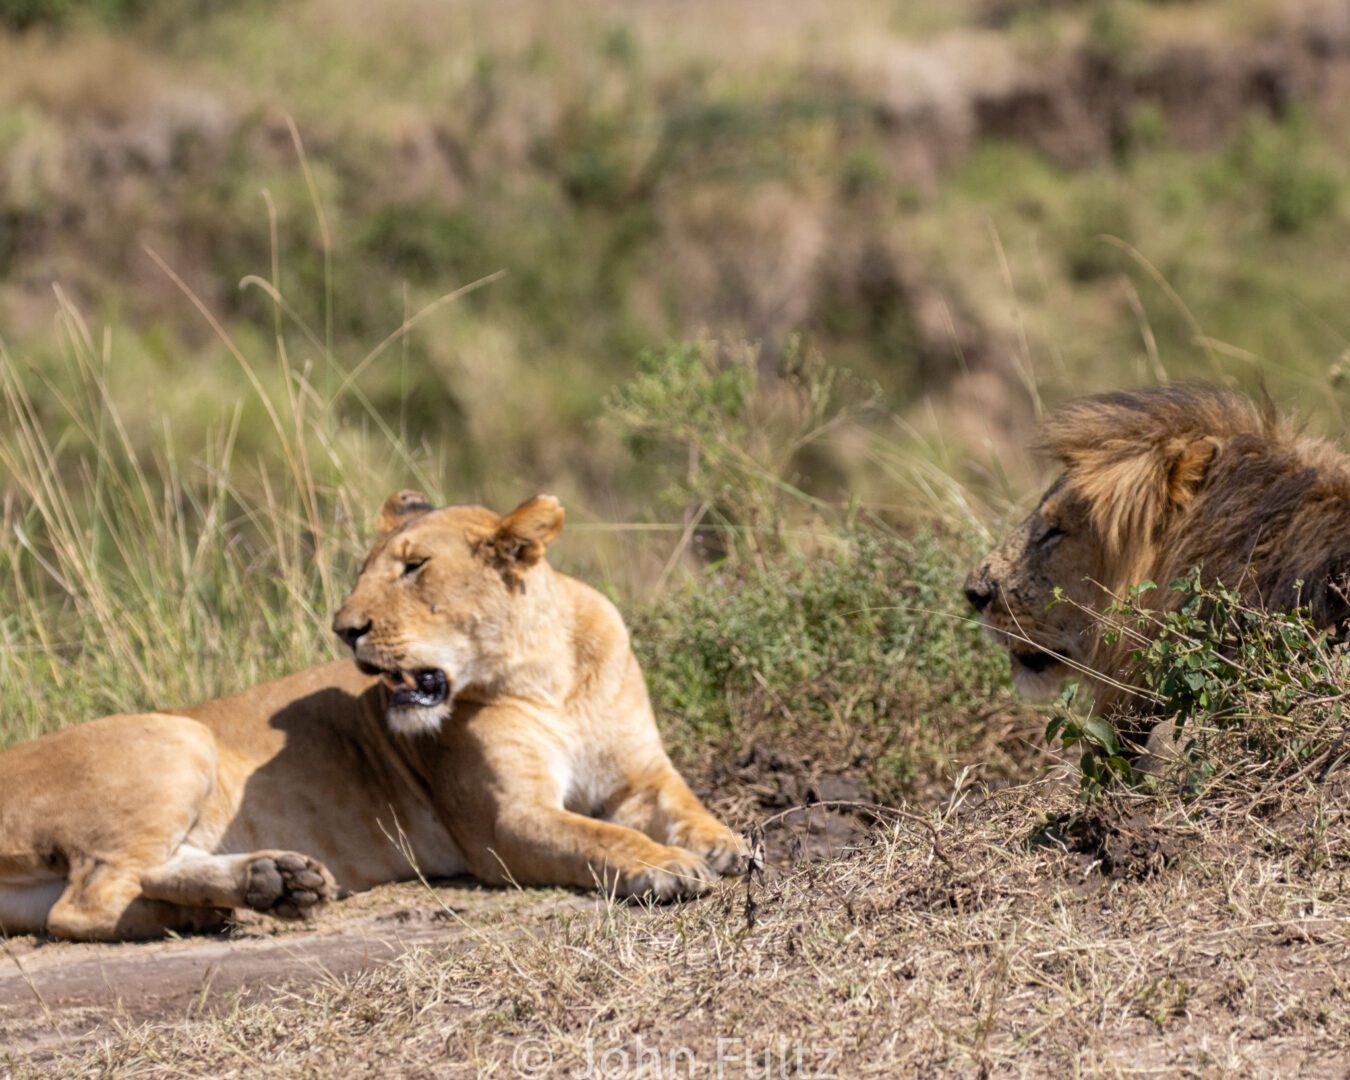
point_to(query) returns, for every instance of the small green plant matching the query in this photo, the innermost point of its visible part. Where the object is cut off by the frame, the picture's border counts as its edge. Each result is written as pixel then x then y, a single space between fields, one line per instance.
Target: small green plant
pixel 1287 166
pixel 1114 35
pixel 819 632
pixel 1102 763
pixel 855 655
pixel 1163 1000
pixel 25 14
pixel 1299 195
pixel 21 14
pixel 1097 214
pixel 1220 664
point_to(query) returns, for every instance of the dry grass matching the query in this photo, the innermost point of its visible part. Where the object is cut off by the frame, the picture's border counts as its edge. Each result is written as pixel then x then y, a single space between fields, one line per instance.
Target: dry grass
pixel 946 943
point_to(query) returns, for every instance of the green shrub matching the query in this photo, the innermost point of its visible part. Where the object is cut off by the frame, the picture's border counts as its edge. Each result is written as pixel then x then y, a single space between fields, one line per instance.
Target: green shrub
pixel 729 434
pixel 1299 195
pixel 1098 212
pixel 23 14
pixel 1284 163
pixel 857 656
pixel 425 243
pixel 1114 34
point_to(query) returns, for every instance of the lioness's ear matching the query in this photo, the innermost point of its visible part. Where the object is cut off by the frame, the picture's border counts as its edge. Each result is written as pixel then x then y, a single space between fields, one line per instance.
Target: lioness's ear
pixel 527 530
pixel 400 507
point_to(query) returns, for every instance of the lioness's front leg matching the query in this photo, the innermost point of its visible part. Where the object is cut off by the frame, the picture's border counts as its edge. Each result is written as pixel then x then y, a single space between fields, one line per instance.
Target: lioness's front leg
pixel 506 784
pixel 659 803
pixel 539 844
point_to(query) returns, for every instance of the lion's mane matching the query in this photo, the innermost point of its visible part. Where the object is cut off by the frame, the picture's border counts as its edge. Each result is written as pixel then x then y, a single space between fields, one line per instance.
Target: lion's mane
pixel 1193 475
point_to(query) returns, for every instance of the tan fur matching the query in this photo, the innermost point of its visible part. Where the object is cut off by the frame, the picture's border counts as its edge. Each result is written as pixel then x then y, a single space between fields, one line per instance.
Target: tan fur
pixel 544 768
pixel 1153 483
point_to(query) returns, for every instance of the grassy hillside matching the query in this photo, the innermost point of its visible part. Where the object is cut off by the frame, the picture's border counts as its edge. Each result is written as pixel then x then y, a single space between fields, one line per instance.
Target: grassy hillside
pixel 976 205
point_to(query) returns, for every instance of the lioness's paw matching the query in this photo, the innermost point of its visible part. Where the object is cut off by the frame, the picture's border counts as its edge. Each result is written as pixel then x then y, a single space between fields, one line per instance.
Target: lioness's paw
pixel 681 874
pixel 719 847
pixel 287 885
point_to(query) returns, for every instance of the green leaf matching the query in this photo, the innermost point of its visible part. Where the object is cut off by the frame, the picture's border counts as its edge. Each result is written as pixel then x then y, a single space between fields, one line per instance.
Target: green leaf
pixel 1102 733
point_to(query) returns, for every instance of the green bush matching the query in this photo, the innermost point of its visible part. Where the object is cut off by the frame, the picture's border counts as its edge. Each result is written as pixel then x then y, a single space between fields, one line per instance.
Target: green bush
pixel 1299 195
pixel 858 656
pixel 1284 163
pixel 425 243
pixel 1098 212
pixel 22 14
pixel 729 434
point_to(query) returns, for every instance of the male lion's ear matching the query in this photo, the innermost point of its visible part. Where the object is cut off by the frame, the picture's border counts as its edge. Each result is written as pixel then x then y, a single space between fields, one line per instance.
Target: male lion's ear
pixel 400 507
pixel 1133 490
pixel 527 530
pixel 1188 468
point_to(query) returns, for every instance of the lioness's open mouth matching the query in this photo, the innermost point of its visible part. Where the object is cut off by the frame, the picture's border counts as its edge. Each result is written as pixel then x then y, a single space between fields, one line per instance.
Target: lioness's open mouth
pixel 424 689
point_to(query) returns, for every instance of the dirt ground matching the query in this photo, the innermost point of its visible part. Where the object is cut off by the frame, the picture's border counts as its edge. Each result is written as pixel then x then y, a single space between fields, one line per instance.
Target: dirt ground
pixel 57 994
pixel 1007 933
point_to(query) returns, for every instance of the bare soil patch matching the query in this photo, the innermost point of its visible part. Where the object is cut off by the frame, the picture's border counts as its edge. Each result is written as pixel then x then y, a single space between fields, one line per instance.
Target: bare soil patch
pixel 54 995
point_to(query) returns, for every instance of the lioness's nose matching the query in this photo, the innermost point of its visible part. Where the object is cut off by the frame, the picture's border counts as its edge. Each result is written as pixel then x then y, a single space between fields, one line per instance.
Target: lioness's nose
pixel 350 630
pixel 979 590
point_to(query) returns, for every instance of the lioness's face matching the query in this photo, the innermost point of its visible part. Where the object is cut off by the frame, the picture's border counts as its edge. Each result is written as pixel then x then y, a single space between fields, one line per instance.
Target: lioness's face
pixel 434 609
pixel 1013 588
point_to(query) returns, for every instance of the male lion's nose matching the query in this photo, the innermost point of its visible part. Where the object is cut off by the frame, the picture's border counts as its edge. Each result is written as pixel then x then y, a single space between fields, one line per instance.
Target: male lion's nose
pixel 350 631
pixel 979 591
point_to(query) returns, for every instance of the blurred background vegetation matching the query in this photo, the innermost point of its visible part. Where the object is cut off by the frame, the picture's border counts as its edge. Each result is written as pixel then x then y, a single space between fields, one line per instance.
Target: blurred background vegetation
pixel 776 289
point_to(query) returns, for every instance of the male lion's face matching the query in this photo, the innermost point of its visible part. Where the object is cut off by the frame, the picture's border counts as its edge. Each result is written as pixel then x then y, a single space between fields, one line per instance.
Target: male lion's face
pixel 1013 588
pixel 435 609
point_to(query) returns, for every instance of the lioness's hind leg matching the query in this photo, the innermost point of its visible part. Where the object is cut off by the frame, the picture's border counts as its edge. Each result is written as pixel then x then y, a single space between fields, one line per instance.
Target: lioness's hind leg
pixel 661 805
pixel 283 884
pixel 104 902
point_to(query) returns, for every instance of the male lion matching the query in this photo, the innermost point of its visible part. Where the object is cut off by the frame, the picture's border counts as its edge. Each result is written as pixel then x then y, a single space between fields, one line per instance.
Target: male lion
pixel 1153 483
pixel 496 722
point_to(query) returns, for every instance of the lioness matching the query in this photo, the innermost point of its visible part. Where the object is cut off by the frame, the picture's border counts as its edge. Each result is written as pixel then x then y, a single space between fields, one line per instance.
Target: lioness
pixel 496 722
pixel 1152 483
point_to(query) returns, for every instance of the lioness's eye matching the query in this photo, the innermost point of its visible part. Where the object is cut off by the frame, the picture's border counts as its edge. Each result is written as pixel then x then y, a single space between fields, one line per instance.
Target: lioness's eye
pixel 411 566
